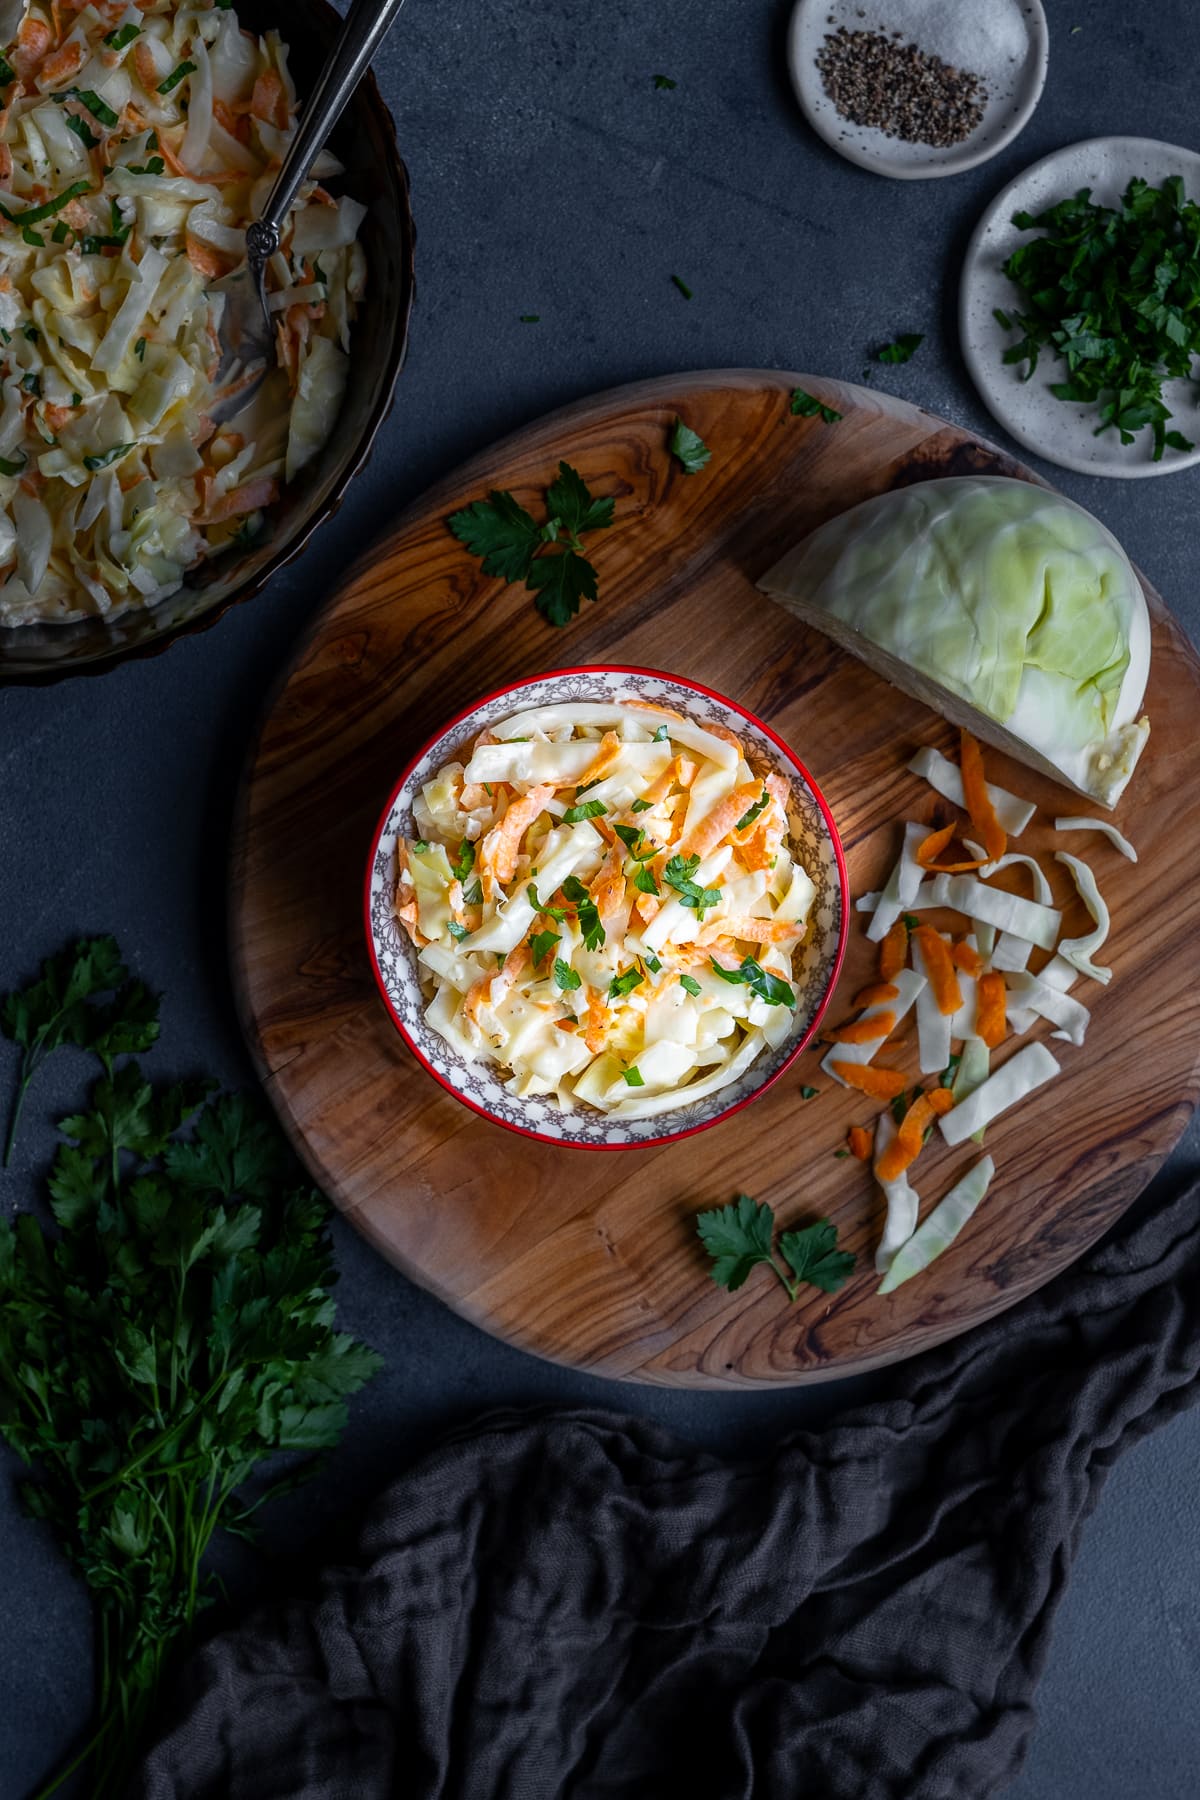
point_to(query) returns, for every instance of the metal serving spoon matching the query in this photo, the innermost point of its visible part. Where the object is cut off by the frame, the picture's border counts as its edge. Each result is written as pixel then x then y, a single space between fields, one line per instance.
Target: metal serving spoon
pixel 247 328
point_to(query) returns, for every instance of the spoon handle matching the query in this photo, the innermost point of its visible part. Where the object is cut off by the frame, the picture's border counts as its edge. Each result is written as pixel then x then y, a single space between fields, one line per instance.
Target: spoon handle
pixel 367 24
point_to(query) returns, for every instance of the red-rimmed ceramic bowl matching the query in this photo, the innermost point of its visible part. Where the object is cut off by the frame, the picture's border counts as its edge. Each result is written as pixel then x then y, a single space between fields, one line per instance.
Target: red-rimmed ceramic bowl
pixel 479 1084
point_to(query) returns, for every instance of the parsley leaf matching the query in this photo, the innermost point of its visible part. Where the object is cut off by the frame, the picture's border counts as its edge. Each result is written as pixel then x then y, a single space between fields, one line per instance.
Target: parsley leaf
pixel 620 985
pixel 558 913
pixel 739 1237
pixel 689 984
pixel 464 862
pixel 633 1076
pixel 586 911
pixel 565 976
pixel 901 351
pixel 807 406
pixel 643 879
pixel 771 988
pixel 590 809
pixel 83 996
pixel 515 548
pixel 689 448
pixel 751 813
pixel 571 504
pixel 809 1093
pixel 473 895
pixel 678 875
pixel 640 806
pixel 812 1256
pixel 560 582
pixel 541 944
pixel 176 76
pixel 501 532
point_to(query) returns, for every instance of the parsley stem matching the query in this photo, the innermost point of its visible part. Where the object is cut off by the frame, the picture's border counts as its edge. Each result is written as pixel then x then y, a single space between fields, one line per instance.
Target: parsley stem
pixel 18 1103
pixel 793 1287
pixel 76 1762
pixel 156 1443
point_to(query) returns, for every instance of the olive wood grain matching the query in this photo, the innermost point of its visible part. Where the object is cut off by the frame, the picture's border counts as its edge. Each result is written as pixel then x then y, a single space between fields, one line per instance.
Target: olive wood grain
pixel 592 1259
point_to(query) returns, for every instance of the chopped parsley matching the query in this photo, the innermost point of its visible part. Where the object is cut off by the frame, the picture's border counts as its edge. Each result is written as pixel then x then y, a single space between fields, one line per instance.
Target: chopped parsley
pixel 552 912
pixel 809 1093
pixel 12 468
pixel 633 1076
pixel 82 130
pixel 104 458
pixel 683 287
pixel 7 73
pixel 586 912
pixel 689 448
pixel 591 809
pixel 99 109
pixel 458 932
pixel 565 976
pixel 122 38
pixel 741 1236
pixel 662 735
pixel 531 318
pixel 541 944
pixel 32 215
pixel 176 76
pixel 633 837
pixel 640 806
pixel 653 964
pixel 771 988
pixel 32 383
pixel 620 985
pixel 807 406
pixel 689 984
pixel 664 81
pixel 33 237
pixel 139 349
pixel 748 817
pixel 678 875
pixel 155 166
pixel 514 547
pixel 643 879
pixel 464 862
pixel 902 349
pixel 1113 292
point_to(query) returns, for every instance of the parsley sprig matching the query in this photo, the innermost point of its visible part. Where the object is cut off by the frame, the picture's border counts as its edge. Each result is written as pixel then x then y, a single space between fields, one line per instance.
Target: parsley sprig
pixel 548 558
pixel 739 1237
pixel 688 448
pixel 83 996
pixel 678 875
pixel 169 1337
pixel 1114 292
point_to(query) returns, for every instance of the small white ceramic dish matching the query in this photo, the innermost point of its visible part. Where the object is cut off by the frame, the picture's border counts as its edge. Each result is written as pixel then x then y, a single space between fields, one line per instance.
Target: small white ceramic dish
pixel 1058 430
pixel 479 1084
pixel 1014 77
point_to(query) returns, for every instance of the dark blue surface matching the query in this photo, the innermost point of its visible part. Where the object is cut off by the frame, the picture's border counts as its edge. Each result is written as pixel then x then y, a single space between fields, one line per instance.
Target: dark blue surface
pixel 551 177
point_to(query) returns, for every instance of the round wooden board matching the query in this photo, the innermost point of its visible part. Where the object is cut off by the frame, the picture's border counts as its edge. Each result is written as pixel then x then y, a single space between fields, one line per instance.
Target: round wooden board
pixel 592 1260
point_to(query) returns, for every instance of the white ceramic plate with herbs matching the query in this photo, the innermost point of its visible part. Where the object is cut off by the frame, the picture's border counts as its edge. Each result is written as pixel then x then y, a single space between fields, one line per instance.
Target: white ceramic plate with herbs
pixel 1064 431
pixel 1003 44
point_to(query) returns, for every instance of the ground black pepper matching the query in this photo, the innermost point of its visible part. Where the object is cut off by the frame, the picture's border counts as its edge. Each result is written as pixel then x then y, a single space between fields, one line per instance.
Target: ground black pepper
pixel 902 91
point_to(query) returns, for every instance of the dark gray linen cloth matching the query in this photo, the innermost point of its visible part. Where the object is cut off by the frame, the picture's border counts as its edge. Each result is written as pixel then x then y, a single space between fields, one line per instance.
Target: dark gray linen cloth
pixel 580 1605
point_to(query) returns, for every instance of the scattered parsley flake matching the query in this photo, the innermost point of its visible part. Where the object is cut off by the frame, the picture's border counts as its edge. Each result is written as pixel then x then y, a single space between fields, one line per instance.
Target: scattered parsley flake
pixel 683 287
pixel 633 1076
pixel 807 406
pixel 689 448
pixel 901 351
pixel 689 984
pixel 620 985
pixel 565 976
pixel 664 81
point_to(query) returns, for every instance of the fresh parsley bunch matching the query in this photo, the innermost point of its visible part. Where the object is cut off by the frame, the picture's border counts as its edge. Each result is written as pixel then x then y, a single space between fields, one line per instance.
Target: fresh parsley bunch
pixel 174 1333
pixel 548 558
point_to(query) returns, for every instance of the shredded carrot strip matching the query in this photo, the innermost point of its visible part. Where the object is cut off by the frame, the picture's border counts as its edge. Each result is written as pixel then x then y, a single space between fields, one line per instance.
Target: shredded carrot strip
pixel 893 951
pixel 966 959
pixel 939 967
pixel 881 1084
pixel 607 751
pixel 715 828
pixel 498 850
pixel 930 848
pixel 905 1147
pixel 990 998
pixel 597 1018
pixel 865 1031
pixel 988 828
pixel 875 993
pixel 859 1142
